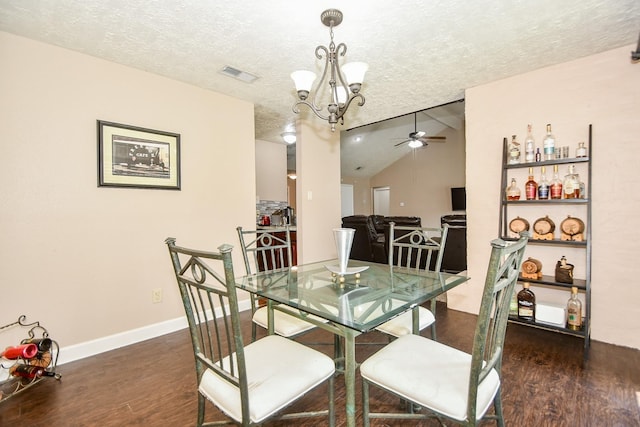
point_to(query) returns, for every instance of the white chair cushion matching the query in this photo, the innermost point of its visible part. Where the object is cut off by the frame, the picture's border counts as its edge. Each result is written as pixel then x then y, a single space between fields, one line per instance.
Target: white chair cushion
pixel 279 371
pixel 403 324
pixel 283 324
pixel 429 373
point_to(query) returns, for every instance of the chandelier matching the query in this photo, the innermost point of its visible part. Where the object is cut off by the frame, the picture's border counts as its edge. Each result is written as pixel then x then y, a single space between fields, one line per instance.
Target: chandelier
pixel 350 75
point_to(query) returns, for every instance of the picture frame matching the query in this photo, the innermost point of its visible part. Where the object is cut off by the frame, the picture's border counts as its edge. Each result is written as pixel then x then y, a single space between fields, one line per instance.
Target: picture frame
pixel 131 156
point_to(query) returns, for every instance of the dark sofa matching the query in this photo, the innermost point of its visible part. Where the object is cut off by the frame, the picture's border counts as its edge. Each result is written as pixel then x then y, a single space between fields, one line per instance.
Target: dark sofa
pixel 372 235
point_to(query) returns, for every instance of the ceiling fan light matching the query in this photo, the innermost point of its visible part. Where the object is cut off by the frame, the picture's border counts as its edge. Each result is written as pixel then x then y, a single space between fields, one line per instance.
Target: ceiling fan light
pixel 414 143
pixel 289 137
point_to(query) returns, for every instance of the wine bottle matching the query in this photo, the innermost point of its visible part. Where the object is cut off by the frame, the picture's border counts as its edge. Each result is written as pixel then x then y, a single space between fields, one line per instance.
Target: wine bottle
pixel 526 304
pixel 556 185
pixel 25 351
pixel 529 146
pixel 574 311
pixel 543 186
pixel 549 144
pixel 44 344
pixel 531 187
pixel 30 371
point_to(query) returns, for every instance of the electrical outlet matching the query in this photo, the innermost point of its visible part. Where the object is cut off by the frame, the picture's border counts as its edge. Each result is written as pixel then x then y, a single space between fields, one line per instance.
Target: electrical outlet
pixel 156 295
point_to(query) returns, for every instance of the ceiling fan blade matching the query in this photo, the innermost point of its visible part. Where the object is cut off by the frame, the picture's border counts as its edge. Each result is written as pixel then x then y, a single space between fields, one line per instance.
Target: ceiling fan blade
pixel 433 138
pixel 403 142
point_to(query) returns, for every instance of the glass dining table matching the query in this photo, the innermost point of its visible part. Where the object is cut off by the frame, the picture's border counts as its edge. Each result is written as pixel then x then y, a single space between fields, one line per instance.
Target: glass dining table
pixel 365 296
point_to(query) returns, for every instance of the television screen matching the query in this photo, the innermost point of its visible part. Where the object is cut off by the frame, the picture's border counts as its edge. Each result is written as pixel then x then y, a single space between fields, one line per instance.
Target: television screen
pixel 458 199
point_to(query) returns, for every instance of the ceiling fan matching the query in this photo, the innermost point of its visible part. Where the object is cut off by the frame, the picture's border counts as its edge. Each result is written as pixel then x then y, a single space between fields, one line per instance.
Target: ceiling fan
pixel 419 139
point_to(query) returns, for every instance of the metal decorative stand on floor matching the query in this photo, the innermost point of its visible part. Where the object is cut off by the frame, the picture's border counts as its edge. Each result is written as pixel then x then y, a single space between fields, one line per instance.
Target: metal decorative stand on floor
pixel 26 363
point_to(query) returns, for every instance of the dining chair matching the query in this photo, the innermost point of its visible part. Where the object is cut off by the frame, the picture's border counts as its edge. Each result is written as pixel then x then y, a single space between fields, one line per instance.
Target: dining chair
pixel 271 250
pixel 445 382
pixel 420 248
pixel 248 383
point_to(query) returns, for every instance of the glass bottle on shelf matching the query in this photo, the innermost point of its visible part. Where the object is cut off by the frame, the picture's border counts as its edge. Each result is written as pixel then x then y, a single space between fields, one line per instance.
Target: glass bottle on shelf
pixel 526 303
pixel 574 311
pixel 555 189
pixel 543 186
pixel 531 187
pixel 513 192
pixel 514 151
pixel 549 144
pixel 581 151
pixel 538 155
pixel 571 184
pixel 529 146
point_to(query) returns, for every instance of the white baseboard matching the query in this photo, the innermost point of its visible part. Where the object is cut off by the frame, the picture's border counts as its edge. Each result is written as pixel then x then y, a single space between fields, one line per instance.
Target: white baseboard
pixel 100 345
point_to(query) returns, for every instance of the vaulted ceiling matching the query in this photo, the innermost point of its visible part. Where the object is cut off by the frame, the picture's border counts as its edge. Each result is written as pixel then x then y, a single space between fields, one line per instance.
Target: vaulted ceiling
pixel 420 53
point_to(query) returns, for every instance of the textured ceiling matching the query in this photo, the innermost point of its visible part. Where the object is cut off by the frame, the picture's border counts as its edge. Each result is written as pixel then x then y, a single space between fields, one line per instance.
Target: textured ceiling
pixel 420 53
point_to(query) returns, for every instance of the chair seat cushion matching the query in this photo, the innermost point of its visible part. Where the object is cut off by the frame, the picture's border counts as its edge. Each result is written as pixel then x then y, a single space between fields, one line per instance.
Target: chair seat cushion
pixel 284 324
pixel 279 371
pixel 403 324
pixel 430 374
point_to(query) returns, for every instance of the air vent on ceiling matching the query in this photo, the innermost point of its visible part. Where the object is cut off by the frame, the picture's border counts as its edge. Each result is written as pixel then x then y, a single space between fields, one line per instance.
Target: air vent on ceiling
pixel 238 74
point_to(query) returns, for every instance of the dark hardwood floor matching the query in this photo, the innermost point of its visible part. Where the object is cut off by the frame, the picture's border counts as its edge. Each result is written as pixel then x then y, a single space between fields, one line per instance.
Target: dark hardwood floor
pixel 152 383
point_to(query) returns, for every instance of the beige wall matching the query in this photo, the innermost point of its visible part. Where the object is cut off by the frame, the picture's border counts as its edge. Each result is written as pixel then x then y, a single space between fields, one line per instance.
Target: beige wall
pixel 362 204
pixel 318 189
pixel 422 179
pixel 603 90
pixel 271 171
pixel 83 260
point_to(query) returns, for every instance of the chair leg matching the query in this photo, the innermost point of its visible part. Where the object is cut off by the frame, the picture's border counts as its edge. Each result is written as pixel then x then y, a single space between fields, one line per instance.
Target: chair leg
pixel 365 403
pixel 332 406
pixel 253 331
pixel 497 406
pixel 201 405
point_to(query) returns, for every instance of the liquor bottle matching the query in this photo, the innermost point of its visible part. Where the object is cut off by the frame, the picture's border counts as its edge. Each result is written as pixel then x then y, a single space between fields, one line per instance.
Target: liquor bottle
pixel 549 144
pixel 538 155
pixel 543 186
pixel 514 151
pixel 581 151
pixel 513 192
pixel 530 187
pixel 526 304
pixel 574 311
pixel 571 184
pixel 529 146
pixel 556 185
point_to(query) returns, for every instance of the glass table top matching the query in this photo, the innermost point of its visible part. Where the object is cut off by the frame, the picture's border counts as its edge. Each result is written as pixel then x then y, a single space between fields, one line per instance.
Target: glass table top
pixel 360 301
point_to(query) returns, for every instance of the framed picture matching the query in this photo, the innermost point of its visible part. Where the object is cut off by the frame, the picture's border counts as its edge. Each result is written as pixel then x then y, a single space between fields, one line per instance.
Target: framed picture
pixel 130 156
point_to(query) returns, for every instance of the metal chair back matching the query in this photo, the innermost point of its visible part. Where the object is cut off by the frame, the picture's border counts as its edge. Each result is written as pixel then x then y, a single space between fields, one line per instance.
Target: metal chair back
pixel 417 247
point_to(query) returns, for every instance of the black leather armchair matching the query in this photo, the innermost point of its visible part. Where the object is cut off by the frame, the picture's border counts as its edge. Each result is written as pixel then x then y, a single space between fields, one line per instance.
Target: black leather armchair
pixel 366 246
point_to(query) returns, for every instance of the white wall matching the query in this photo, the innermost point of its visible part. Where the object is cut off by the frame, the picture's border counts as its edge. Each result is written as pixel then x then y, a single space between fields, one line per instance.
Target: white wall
pixel 602 90
pixel 83 260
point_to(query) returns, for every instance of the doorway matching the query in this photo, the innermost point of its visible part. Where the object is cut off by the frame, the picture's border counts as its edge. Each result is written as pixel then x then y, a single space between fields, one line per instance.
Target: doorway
pixel 381 197
pixel 346 200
